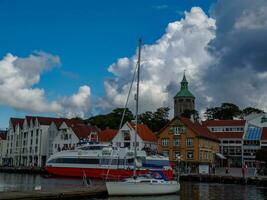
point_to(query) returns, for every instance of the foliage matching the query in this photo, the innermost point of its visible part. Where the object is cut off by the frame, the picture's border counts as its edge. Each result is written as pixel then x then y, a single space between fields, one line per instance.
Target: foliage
pixel 226 111
pixel 112 119
pixel 249 110
pixel 154 120
pixel 188 113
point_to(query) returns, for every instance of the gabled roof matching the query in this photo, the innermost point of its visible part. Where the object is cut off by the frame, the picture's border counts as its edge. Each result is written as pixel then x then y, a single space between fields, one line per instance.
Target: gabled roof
pixel 107 135
pixel 3 135
pixel 83 131
pixel 229 135
pixel 16 121
pixel 209 123
pixel 144 132
pixel 199 129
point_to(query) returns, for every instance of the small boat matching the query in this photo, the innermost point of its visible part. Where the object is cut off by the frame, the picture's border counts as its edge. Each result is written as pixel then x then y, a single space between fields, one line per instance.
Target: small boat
pixel 141 185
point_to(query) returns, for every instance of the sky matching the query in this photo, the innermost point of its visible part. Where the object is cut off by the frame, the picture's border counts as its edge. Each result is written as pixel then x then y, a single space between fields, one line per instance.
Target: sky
pixel 76 58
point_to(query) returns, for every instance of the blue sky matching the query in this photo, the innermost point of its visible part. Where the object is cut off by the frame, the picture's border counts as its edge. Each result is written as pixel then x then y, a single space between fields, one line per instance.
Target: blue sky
pixel 88 36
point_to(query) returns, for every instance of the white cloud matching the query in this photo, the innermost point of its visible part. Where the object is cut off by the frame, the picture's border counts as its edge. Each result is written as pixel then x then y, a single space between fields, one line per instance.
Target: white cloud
pixel 182 47
pixel 19 76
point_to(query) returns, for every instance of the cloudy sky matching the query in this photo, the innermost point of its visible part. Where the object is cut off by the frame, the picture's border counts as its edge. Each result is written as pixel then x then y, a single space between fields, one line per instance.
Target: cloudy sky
pixel 76 58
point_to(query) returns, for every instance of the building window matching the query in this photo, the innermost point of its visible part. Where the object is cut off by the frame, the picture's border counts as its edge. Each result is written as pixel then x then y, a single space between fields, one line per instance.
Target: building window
pixel 177 154
pixel 165 142
pixel 36 149
pixel 176 142
pixel 176 131
pixel 190 155
pixel 189 142
pixel 165 153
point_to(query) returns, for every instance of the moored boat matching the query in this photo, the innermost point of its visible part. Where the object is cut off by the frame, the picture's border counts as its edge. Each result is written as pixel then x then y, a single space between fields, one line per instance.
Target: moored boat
pixel 98 160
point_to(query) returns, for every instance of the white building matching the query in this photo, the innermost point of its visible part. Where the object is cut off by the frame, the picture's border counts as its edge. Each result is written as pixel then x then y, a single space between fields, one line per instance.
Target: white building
pixel 230 133
pixel 125 137
pixel 30 141
pixel 3 143
pixel 70 134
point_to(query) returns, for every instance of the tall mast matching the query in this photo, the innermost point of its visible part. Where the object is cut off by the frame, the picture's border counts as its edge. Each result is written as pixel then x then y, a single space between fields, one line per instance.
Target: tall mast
pixel 136 109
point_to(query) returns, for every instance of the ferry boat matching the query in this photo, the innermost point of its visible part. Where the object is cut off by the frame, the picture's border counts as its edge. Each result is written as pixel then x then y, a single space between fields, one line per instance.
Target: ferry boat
pixel 101 160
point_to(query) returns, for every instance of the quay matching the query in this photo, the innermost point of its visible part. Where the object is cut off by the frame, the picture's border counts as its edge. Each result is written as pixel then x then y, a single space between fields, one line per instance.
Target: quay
pixel 224 179
pixel 23 170
pixel 98 191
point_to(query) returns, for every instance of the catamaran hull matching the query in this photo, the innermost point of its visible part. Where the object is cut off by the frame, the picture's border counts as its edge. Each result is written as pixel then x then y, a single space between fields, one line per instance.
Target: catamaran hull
pixel 137 189
pixel 99 173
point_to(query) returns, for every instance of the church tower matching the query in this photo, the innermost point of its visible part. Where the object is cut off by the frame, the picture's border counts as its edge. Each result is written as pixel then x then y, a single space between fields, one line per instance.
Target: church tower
pixel 184 99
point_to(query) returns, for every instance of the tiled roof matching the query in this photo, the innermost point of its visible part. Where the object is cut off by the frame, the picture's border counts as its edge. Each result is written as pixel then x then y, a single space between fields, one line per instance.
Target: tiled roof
pixel 82 130
pixel 224 123
pixel 16 121
pixel 221 135
pixel 144 132
pixel 107 135
pixel 199 129
pixel 264 133
pixel 3 135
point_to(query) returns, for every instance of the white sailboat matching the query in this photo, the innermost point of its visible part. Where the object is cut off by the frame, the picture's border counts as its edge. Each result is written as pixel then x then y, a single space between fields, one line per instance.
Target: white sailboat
pixel 141 185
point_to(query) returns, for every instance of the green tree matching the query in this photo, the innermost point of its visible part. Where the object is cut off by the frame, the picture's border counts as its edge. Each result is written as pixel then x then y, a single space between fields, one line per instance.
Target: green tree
pixel 248 110
pixel 112 119
pixel 188 113
pixel 226 111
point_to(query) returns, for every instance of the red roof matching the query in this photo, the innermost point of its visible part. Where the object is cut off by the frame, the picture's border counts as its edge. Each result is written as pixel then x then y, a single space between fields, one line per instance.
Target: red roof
pixel 264 133
pixel 144 132
pixel 3 135
pixel 107 135
pixel 222 135
pixel 49 120
pixel 16 121
pixel 209 123
pixel 199 129
pixel 83 131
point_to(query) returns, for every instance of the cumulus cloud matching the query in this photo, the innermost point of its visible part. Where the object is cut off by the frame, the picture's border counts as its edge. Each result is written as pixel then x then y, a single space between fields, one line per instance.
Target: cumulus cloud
pixel 19 76
pixel 182 47
pixel 240 50
pixel 224 55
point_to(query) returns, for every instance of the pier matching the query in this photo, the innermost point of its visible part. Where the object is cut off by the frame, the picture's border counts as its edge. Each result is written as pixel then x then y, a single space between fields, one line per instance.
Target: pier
pixel 98 191
pixel 224 179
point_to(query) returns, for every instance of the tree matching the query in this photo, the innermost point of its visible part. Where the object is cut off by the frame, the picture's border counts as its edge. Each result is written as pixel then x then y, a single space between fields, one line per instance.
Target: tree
pixel 112 119
pixel 155 120
pixel 226 111
pixel 249 110
pixel 188 113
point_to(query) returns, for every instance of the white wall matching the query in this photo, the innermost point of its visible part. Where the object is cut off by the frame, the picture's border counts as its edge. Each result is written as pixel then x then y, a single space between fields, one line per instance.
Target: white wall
pixel 66 137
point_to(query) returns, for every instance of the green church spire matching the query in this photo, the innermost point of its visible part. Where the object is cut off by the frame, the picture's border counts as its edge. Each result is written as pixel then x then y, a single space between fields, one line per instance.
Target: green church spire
pixel 184 92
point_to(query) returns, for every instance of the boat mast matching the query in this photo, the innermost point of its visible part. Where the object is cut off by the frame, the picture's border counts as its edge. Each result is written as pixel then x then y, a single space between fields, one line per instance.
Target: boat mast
pixel 136 109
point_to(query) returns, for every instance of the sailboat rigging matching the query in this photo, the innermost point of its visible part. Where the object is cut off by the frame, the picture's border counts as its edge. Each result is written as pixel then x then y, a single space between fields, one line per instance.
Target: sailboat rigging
pixel 141 185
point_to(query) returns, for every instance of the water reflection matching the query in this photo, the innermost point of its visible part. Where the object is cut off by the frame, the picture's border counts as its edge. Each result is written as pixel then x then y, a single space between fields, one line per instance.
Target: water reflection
pixel 189 190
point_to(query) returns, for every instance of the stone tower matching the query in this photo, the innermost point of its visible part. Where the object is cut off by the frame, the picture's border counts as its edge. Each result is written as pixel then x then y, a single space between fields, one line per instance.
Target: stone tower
pixel 184 99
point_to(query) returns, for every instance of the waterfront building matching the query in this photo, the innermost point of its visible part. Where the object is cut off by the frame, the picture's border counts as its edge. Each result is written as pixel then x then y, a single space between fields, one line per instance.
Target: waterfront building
pixel 124 137
pixel 3 143
pixel 254 138
pixel 30 141
pixel 230 133
pixel 70 133
pixel 184 99
pixel 188 141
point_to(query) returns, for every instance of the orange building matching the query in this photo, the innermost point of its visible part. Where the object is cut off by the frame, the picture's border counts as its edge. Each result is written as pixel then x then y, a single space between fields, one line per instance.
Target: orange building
pixel 188 141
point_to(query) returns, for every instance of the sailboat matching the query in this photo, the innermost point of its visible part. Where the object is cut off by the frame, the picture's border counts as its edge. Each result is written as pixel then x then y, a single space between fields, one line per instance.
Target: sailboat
pixel 141 185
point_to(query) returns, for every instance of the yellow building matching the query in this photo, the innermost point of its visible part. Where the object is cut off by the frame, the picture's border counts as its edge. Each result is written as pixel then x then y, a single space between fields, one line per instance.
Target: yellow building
pixel 188 141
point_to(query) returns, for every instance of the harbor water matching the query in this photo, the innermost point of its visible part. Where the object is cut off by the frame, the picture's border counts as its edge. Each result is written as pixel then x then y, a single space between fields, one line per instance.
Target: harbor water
pixel 189 190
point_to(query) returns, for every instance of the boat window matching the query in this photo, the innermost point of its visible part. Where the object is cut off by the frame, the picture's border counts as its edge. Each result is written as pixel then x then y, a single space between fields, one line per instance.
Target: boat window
pixel 91 148
pixel 74 161
pixel 145 181
pixel 108 162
